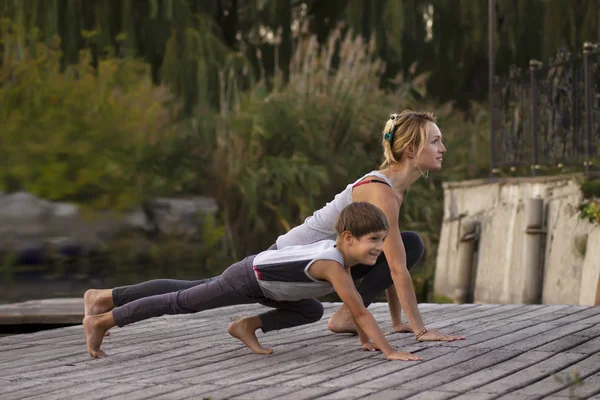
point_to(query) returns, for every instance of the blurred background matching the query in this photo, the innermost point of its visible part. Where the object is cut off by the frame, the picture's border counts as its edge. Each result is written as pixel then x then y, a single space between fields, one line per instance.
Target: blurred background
pixel 168 138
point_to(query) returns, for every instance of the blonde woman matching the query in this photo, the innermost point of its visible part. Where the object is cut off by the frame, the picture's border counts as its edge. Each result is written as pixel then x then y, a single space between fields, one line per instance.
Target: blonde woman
pixel 412 146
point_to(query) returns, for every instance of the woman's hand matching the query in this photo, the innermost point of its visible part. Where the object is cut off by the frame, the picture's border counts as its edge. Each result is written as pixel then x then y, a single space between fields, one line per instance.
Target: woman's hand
pixel 434 336
pixel 402 356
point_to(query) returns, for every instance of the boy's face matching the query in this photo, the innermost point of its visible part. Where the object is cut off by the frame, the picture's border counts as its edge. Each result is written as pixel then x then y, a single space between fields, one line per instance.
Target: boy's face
pixel 367 248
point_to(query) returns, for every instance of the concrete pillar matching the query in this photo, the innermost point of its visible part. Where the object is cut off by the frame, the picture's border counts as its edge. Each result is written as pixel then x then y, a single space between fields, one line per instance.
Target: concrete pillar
pixel 532 268
pixel 469 234
pixel 590 275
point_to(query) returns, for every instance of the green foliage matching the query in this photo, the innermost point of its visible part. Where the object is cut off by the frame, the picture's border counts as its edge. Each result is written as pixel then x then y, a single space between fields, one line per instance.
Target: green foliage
pixel 591 211
pixel 100 136
pixel 273 157
pixel 271 153
pixel 591 188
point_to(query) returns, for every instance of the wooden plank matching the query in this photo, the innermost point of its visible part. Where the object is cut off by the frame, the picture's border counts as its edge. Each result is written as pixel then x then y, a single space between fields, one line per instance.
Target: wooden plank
pixel 589 386
pixel 533 336
pixel 25 390
pixel 110 391
pixel 453 368
pixel 531 374
pixel 243 389
pixel 392 374
pixel 348 394
pixel 565 378
pixel 282 392
pixel 493 373
pixel 48 311
pixel 516 364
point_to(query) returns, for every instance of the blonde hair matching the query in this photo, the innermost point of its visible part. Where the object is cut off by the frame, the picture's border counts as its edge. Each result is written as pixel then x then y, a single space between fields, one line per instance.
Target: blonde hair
pixel 361 218
pixel 403 131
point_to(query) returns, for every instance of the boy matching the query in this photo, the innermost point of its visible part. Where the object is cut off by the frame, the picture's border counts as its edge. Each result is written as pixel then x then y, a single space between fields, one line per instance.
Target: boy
pixel 286 279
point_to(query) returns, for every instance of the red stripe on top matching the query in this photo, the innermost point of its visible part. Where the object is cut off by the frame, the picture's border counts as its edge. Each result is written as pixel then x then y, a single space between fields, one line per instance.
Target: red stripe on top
pixel 257 272
pixel 369 181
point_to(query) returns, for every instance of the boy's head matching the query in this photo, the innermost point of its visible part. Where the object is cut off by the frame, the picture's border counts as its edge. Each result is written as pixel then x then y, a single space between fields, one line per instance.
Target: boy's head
pixel 361 218
pixel 361 229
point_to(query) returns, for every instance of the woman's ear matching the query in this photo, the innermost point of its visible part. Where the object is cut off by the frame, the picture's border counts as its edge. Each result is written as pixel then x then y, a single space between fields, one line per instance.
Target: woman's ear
pixel 409 152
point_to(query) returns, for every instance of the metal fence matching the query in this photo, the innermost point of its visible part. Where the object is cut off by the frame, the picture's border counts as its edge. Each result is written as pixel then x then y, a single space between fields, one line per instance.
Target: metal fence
pixel 548 116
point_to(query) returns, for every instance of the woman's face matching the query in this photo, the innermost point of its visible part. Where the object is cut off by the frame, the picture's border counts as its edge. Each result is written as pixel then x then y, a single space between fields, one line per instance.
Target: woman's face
pixel 431 156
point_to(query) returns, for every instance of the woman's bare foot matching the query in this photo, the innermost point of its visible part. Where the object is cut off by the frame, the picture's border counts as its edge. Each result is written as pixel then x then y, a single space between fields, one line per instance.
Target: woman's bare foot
pixel 400 328
pixel 341 321
pixel 95 326
pixel 403 328
pixel 245 330
pixel 97 301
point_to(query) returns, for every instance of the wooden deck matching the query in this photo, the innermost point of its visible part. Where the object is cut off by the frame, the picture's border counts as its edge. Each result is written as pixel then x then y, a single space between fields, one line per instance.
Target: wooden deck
pixel 511 352
pixel 42 312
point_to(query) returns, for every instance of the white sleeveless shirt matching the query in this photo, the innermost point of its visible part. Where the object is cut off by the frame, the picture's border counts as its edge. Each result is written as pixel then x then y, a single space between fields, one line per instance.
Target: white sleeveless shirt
pixel 320 225
pixel 284 275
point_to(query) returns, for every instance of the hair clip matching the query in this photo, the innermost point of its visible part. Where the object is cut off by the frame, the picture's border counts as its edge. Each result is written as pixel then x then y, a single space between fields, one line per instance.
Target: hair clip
pixel 389 136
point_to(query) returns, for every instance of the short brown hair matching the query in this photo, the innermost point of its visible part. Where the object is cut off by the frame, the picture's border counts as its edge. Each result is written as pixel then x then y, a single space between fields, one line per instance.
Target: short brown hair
pixel 361 218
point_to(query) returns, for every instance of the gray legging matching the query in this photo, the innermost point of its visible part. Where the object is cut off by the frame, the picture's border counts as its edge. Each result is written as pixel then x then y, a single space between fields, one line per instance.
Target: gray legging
pixel 237 285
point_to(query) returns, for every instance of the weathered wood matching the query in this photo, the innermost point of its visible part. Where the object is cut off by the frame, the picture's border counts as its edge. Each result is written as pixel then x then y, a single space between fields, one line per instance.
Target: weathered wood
pixel 515 351
pixel 49 311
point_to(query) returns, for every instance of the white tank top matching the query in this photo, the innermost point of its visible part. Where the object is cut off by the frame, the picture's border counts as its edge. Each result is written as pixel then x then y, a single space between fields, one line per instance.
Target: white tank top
pixel 284 274
pixel 320 225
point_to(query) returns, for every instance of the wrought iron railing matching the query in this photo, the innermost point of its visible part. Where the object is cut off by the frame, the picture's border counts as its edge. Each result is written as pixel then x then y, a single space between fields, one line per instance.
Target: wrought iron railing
pixel 548 116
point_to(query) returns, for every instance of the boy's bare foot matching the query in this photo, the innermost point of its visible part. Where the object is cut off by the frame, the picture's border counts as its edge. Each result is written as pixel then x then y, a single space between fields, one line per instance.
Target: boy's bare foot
pixel 97 301
pixel 94 333
pixel 245 330
pixel 341 321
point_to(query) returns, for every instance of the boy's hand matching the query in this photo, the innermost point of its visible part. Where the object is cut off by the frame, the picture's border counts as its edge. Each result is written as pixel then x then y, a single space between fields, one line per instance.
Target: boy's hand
pixel 368 346
pixel 433 336
pixel 402 356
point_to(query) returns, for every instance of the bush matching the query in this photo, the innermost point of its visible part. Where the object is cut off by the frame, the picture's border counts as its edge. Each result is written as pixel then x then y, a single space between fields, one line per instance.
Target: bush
pixel 591 211
pixel 101 136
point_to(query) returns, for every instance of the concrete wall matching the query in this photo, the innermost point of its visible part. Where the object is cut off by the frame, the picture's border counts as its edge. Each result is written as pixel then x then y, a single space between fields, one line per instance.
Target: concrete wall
pixel 570 248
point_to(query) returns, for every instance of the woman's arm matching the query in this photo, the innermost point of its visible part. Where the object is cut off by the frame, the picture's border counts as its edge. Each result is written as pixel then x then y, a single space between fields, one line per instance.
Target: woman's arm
pixel 395 254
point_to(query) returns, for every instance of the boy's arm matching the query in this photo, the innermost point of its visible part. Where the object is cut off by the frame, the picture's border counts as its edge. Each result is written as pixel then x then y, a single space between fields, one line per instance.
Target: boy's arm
pixel 364 338
pixel 344 286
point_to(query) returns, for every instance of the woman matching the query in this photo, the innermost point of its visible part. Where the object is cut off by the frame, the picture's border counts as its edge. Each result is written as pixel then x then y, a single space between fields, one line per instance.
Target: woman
pixel 412 143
